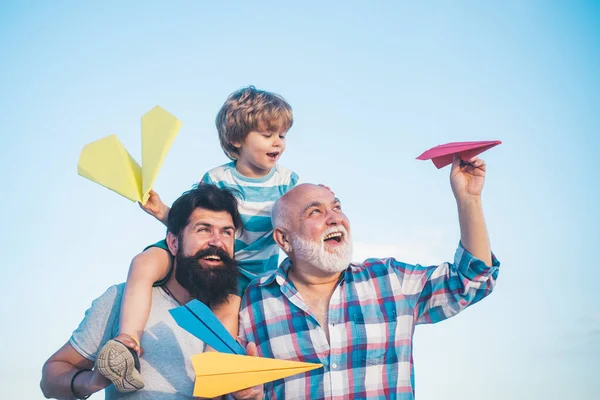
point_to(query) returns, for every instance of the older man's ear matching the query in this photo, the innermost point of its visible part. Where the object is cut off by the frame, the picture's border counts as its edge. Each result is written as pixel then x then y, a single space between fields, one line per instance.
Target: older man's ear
pixel 281 238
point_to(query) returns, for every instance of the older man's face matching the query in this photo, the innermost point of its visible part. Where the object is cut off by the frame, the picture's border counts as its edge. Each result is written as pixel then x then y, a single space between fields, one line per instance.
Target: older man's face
pixel 320 230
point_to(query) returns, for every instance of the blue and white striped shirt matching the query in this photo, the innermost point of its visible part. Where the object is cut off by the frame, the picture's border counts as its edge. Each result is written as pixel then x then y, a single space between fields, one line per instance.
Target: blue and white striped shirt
pixel 255 249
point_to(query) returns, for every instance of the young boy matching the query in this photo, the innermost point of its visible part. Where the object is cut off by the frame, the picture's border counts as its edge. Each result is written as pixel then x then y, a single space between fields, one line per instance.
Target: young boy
pixel 252 125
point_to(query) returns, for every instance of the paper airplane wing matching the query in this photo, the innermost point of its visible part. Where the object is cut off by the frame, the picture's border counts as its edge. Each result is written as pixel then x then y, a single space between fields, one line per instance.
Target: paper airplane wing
pixel 159 129
pixel 220 373
pixel 196 318
pixel 107 162
pixel 443 154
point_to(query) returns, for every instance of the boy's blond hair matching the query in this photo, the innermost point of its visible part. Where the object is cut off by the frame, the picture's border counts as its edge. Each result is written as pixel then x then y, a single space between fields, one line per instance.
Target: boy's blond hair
pixel 247 110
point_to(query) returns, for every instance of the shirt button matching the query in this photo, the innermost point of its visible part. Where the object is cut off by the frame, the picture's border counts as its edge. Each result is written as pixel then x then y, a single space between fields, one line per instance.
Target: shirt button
pixel 334 366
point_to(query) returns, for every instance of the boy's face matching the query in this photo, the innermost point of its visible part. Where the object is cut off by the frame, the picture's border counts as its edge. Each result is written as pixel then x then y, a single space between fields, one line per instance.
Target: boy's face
pixel 259 153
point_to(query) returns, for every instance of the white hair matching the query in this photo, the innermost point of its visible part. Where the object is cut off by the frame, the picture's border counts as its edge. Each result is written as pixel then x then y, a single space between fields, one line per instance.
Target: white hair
pixel 280 212
pixel 315 254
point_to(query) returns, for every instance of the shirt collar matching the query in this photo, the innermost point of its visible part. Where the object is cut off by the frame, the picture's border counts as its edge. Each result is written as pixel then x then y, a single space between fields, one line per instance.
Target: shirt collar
pixel 281 273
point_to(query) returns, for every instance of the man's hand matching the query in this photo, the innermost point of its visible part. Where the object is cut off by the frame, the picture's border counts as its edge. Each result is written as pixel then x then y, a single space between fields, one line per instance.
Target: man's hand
pixel 155 207
pixel 467 177
pixel 255 392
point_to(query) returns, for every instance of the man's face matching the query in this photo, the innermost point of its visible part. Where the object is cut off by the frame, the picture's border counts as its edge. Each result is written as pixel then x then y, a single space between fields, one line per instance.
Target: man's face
pixel 320 230
pixel 204 260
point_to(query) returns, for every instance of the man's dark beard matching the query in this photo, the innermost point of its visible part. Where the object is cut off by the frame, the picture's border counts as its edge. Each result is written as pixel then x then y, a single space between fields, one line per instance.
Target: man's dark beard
pixel 210 285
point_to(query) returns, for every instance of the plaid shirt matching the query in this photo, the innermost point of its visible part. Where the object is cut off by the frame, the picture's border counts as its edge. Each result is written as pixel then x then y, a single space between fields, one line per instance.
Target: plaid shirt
pixel 372 316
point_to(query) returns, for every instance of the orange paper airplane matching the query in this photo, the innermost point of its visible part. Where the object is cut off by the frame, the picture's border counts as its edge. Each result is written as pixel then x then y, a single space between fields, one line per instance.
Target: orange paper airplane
pixel 222 373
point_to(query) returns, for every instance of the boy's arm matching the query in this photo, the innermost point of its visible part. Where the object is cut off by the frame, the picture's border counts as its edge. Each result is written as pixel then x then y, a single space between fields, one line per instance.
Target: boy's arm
pixel 150 266
pixel 58 373
pixel 155 207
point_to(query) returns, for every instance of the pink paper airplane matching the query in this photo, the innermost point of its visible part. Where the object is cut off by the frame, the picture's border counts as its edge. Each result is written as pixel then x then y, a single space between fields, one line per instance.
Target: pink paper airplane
pixel 443 154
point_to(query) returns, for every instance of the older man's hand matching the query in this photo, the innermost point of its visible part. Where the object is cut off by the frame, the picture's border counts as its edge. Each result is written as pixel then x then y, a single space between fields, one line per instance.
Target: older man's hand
pixel 256 392
pixel 467 178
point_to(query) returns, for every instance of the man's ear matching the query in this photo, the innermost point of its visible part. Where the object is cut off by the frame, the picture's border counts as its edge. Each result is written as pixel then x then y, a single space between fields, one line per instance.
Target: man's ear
pixel 283 240
pixel 172 243
pixel 236 144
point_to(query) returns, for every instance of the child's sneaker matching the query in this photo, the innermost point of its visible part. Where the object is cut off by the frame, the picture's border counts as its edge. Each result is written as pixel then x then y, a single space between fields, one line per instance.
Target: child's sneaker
pixel 121 366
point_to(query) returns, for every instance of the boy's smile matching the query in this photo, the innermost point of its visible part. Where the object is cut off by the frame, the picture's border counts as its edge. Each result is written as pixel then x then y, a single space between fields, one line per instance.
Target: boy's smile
pixel 259 153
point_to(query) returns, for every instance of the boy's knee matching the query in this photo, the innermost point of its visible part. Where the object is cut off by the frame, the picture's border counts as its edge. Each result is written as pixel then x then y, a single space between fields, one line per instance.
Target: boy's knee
pixel 150 256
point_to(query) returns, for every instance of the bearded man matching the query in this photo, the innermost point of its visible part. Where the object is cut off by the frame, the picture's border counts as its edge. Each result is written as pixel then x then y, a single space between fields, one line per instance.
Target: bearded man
pixel 358 319
pixel 201 231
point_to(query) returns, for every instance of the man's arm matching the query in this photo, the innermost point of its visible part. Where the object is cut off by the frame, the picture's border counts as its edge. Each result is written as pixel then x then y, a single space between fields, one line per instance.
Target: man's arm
pixel 466 179
pixel 59 370
pixel 94 330
pixel 439 292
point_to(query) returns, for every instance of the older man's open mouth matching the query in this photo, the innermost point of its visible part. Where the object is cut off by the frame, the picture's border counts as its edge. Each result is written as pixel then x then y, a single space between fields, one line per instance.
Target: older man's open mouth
pixel 334 237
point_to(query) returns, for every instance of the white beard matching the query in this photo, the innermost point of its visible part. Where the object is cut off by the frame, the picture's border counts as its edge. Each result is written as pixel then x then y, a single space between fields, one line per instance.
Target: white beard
pixel 315 254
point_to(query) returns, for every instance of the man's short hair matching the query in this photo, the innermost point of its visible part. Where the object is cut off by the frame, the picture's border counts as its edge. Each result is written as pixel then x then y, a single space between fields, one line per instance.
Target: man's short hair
pixel 207 197
pixel 279 214
pixel 250 109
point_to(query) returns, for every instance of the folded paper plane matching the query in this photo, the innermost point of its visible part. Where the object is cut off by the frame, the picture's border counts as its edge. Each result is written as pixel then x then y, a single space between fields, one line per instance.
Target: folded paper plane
pixel 229 370
pixel 196 318
pixel 443 154
pixel 219 373
pixel 108 163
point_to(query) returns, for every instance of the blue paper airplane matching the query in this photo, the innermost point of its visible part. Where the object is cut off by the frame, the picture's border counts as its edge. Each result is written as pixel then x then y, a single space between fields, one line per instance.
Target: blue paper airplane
pixel 196 318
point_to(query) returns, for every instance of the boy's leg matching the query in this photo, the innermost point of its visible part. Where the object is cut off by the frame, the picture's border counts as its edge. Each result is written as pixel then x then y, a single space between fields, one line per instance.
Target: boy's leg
pixel 118 360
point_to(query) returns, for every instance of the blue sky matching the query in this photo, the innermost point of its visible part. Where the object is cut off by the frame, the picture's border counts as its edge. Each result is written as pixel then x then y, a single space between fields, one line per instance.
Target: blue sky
pixel 372 86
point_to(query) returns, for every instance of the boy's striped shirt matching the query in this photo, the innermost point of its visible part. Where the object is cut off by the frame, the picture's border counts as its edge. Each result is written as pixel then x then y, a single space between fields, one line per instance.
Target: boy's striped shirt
pixel 255 249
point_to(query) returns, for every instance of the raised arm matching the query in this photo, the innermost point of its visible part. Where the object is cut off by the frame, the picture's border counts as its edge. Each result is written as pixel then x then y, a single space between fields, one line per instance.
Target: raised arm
pixel 440 291
pixel 59 370
pixel 155 207
pixel 466 179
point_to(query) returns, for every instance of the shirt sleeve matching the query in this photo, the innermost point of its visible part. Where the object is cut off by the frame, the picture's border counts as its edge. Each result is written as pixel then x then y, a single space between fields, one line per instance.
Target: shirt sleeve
pixel 207 179
pixel 99 324
pixel 295 180
pixel 438 292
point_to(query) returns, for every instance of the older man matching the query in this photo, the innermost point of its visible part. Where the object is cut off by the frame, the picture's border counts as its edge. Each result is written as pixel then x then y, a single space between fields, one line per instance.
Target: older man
pixel 358 319
pixel 201 232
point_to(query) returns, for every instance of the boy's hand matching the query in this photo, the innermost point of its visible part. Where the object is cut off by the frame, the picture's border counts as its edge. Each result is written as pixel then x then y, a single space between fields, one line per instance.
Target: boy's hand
pixel 255 392
pixel 130 342
pixel 154 206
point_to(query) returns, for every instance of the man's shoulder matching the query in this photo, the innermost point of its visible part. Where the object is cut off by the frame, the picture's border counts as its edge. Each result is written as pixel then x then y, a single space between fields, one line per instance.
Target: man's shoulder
pixel 257 287
pixel 112 294
pixel 374 267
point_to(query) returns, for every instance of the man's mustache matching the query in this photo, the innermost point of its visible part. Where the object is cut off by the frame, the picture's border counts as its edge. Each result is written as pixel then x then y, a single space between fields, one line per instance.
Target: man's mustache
pixel 213 251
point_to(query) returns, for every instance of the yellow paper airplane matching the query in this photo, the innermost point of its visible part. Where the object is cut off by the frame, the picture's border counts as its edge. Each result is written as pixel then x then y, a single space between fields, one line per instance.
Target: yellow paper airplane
pixel 107 162
pixel 222 373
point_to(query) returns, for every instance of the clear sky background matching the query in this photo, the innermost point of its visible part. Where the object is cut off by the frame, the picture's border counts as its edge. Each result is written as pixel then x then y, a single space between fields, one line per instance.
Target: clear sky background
pixel 372 84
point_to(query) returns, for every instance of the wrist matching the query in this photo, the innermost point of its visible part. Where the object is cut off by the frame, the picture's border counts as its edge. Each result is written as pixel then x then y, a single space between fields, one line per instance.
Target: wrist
pixel 95 382
pixel 80 387
pixel 163 214
pixel 468 201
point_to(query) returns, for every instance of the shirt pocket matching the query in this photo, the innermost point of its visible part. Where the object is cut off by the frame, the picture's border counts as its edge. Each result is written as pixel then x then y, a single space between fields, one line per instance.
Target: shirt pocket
pixel 372 335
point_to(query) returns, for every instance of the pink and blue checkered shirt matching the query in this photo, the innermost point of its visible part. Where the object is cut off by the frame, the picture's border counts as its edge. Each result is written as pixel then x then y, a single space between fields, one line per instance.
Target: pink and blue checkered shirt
pixel 372 316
